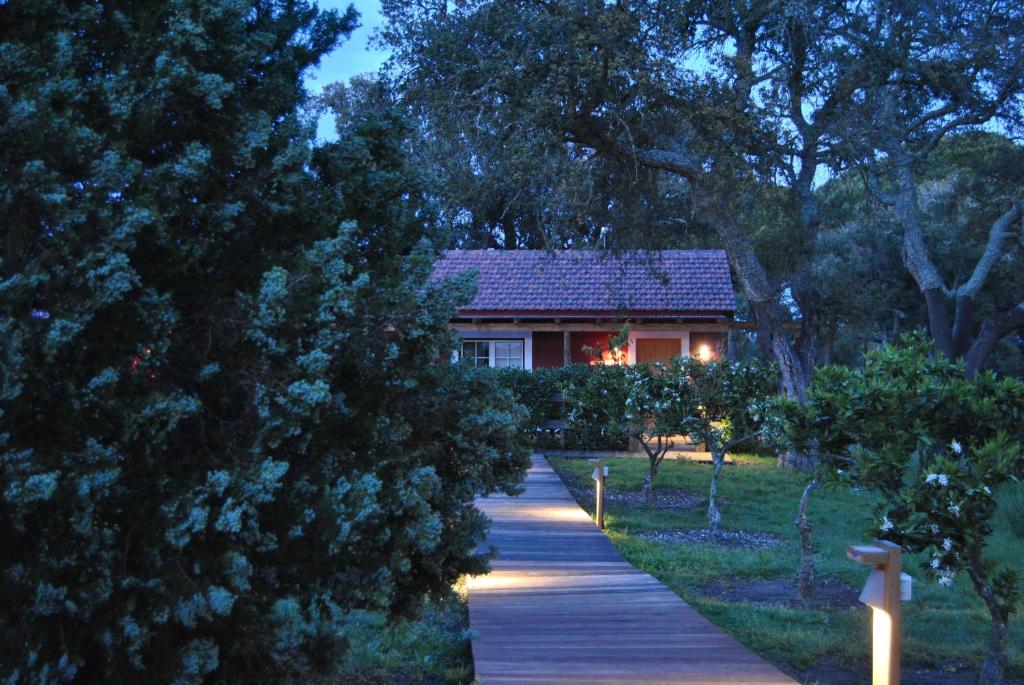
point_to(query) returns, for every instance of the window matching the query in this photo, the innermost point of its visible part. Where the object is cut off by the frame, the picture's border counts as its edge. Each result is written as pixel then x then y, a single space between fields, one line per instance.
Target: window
pixel 508 354
pixel 501 354
pixel 477 352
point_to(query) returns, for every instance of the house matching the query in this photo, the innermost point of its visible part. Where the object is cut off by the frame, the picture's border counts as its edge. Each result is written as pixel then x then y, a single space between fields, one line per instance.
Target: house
pixel 538 308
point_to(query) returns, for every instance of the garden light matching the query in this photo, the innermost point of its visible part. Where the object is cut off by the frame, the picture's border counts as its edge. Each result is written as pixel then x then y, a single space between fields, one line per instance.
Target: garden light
pixel 885 588
pixel 599 475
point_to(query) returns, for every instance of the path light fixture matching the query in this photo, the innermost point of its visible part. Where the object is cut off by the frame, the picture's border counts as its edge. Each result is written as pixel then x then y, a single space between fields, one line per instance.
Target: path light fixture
pixel 887 586
pixel 600 472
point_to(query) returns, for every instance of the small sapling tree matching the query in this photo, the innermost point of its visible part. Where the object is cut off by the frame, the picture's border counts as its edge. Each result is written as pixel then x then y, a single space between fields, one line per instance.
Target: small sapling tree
pixel 934 446
pixel 637 402
pixel 718 398
pixel 652 414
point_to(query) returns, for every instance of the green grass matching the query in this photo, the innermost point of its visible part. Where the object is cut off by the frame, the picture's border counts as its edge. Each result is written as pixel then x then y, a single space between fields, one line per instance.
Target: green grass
pixel 942 627
pixel 431 650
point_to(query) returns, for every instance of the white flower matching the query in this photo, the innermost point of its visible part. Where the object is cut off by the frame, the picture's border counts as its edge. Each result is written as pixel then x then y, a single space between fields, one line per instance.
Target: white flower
pixel 956 447
pixel 954 508
pixel 886 525
pixel 930 478
pixel 935 529
pixel 986 489
pixel 936 563
pixel 947 544
pixel 943 479
pixel 946 578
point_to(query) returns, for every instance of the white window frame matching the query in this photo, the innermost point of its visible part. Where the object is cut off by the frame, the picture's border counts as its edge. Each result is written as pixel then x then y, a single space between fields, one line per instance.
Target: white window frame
pixel 491 356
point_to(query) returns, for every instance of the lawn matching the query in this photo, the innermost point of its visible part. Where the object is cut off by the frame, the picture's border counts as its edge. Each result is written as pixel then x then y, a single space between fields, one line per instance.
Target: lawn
pixel 945 630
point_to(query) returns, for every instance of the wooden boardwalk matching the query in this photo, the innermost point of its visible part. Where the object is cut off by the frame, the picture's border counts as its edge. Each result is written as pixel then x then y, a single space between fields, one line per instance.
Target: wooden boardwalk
pixel 562 606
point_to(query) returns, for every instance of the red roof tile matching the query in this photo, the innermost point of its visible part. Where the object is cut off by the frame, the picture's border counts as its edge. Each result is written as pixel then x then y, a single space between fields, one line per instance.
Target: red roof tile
pixel 664 282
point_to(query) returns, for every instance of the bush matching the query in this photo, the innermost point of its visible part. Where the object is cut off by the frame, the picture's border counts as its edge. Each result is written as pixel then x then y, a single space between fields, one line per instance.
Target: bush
pixel 222 429
pixel 585 429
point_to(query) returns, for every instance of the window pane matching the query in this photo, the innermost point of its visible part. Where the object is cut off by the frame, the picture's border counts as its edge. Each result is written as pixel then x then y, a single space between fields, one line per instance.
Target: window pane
pixel 476 351
pixel 508 354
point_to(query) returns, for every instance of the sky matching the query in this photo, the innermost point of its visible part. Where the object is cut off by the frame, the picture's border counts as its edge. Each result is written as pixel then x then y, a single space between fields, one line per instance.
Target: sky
pixel 354 56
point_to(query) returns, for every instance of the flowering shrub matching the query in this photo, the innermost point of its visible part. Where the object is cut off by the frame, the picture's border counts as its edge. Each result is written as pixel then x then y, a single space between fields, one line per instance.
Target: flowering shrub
pixel 934 446
pixel 723 406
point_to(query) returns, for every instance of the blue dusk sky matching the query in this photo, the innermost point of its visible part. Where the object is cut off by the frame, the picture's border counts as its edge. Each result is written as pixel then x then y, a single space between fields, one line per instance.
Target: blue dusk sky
pixel 354 56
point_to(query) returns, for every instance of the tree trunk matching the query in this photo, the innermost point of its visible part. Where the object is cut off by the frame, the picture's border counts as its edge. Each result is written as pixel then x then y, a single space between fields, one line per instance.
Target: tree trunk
pixel 648 488
pixel 508 232
pixel 994 666
pixel 654 457
pixel 714 515
pixel 805 579
pixel 993 329
pixel 763 299
pixel 830 346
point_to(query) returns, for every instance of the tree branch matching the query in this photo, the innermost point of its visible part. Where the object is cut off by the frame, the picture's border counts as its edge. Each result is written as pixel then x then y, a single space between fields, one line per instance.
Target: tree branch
pixel 997 235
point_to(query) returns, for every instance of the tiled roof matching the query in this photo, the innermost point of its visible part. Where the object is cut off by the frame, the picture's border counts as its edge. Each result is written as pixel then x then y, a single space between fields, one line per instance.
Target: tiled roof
pixel 660 282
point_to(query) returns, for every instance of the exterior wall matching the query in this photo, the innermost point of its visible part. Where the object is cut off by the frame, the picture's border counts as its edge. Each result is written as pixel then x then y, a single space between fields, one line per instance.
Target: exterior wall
pixel 548 349
pixel 593 339
pixel 543 343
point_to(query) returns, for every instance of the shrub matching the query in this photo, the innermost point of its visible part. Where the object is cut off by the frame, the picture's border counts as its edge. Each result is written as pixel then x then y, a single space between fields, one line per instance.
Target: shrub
pixel 221 424
pixel 585 429
pixel 595 400
pixel 722 406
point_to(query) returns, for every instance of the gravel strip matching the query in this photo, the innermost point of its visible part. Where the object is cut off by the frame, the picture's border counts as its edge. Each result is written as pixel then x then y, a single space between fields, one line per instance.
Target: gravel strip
pixel 664 498
pixel 736 539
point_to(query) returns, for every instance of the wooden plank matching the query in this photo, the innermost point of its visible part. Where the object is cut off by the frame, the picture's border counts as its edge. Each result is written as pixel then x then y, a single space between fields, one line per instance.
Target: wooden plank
pixel 561 605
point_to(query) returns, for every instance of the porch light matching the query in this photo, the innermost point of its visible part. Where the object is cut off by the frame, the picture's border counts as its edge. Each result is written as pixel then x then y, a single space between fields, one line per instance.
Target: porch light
pixel 704 353
pixel 887 586
pixel 613 357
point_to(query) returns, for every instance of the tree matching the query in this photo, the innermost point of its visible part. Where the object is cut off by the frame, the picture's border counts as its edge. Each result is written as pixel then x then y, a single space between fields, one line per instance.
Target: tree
pixel 652 415
pixel 637 402
pixel 867 296
pixel 935 471
pixel 724 404
pixel 939 69
pixel 740 103
pixel 221 421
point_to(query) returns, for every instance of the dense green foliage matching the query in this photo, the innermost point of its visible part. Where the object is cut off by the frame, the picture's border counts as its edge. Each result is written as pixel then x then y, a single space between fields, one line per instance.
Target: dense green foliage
pixel 641 402
pixel 561 394
pixel 222 421
pixel 935 447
